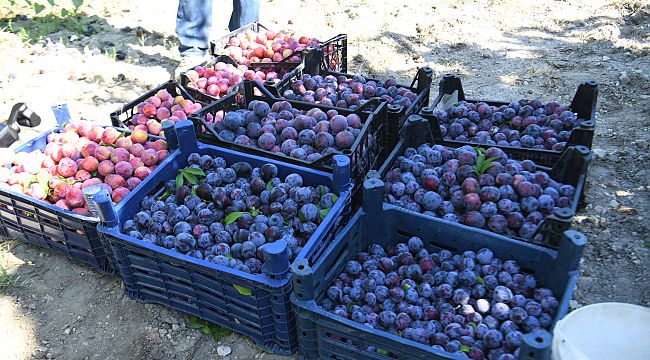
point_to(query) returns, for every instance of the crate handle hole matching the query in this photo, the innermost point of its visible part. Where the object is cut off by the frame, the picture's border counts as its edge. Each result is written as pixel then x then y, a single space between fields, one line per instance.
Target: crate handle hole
pixel 539 339
pixel 298 281
pixel 301 267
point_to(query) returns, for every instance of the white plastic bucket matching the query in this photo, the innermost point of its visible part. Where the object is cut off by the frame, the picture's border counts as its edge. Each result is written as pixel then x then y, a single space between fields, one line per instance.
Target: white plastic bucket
pixel 605 331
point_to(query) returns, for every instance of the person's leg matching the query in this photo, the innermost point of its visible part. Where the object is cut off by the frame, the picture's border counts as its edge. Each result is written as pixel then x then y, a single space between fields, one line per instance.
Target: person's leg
pixel 244 12
pixel 193 25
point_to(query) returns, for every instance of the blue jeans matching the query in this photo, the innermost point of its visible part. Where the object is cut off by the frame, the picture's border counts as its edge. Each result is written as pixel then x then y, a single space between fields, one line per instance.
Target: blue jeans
pixel 194 21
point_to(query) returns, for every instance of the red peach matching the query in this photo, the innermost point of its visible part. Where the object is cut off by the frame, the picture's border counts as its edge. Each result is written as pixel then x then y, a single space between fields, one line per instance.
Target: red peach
pixel 162 113
pixel 119 194
pixel 155 101
pixel 141 128
pixel 70 137
pixel 138 119
pixel 82 175
pixel 110 135
pixel 53 170
pixel 137 149
pixel 141 172
pixel 149 157
pixel 138 136
pixel 70 127
pixel 91 182
pixel 162 154
pixel 96 133
pixel 136 162
pixel 67 149
pixel 114 181
pixel 76 155
pixel 149 110
pixel 154 127
pixel 159 144
pixel 103 153
pixel 192 75
pixel 120 154
pixel 36 191
pixel 47 162
pixel 105 167
pixel 89 149
pixel 132 182
pixel 124 168
pixel 80 211
pixel 164 95
pixel 62 204
pixel 124 143
pixel 212 90
pixel 84 128
pixel 75 198
pixel 67 167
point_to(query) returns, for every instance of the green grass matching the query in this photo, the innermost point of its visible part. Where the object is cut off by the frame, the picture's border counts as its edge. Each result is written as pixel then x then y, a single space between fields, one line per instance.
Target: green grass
pixel 38 28
pixel 9 282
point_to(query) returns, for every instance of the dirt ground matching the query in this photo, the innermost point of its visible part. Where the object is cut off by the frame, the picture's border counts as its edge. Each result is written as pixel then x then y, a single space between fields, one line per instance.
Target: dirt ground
pixel 504 49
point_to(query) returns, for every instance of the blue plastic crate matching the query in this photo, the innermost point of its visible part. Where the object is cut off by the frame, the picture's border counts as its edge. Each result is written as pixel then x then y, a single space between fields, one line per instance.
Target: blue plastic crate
pixel 368 152
pixel 43 224
pixel 153 274
pixel 583 104
pixel 570 168
pixel 323 335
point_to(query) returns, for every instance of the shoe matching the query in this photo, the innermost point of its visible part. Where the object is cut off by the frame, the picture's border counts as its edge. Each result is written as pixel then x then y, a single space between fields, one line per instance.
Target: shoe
pixel 188 62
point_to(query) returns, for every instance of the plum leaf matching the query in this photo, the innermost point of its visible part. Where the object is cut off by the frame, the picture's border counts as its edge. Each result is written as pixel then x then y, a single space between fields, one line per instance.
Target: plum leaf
pixel 179 180
pixel 464 348
pixel 191 178
pixel 480 280
pixel 207 330
pixel 269 185
pixel 233 216
pixel 193 171
pixel 242 290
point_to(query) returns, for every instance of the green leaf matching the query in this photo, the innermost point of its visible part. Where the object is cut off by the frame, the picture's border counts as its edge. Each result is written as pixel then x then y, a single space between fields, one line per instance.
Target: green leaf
pixel 382 352
pixel 473 324
pixel 301 216
pixel 480 280
pixel 242 290
pixel 190 178
pixel 121 135
pixel 254 212
pixel 269 185
pixel 206 330
pixel 324 212
pixel 193 318
pixel 193 190
pixel 464 348
pixel 51 2
pixel 64 13
pixel 165 195
pixel 38 8
pixel 193 171
pixel 229 256
pixel 407 286
pixel 335 198
pixel 233 216
pixel 77 3
pixel 194 325
pixel 179 180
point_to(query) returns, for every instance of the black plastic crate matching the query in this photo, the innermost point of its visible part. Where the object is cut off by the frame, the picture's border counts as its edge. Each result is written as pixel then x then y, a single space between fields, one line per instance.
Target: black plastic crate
pixel 323 335
pixel 421 85
pixel 570 168
pixel 255 305
pixel 40 223
pixel 280 68
pixel 122 117
pixel 331 53
pixel 368 152
pixel 583 105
